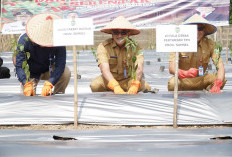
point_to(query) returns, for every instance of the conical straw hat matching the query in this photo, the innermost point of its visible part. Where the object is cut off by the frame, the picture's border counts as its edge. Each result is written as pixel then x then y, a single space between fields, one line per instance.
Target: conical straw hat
pixel 120 23
pixel 197 19
pixel 40 29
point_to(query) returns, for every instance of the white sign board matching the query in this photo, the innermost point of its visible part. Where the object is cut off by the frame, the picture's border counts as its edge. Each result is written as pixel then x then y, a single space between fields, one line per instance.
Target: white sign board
pixel 73 31
pixel 17 27
pixel 176 38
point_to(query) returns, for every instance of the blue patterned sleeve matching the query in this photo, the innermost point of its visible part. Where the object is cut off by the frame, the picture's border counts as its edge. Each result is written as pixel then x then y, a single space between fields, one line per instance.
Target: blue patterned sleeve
pixel 60 62
pixel 20 58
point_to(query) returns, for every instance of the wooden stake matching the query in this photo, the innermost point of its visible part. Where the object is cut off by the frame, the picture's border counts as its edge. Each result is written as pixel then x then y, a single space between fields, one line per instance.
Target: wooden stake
pixel 75 86
pixel 176 91
pixel 227 44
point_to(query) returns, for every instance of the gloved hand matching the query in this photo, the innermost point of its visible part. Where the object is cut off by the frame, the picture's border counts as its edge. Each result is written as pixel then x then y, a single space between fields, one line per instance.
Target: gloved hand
pixel 216 86
pixel 192 72
pixel 47 89
pixel 135 84
pixel 28 89
pixel 114 85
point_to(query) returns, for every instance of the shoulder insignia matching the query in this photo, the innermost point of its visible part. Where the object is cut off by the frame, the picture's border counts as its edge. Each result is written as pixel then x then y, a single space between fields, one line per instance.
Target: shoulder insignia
pixel 106 42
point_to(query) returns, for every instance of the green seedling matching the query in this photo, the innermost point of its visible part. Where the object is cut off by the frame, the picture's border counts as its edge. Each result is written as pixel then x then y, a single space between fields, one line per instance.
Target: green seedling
pixel 131 46
pixel 217 51
pixel 16 48
pixel 94 53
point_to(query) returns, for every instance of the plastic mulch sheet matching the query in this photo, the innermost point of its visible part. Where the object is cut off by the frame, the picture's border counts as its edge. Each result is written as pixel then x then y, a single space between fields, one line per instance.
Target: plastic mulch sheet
pixel 194 107
pixel 202 142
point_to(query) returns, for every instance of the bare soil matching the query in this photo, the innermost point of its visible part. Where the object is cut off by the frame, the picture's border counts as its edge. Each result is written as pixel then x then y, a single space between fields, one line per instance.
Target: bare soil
pixel 95 127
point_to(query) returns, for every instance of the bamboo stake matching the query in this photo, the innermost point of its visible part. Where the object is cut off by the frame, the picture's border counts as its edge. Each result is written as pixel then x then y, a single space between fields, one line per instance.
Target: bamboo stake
pixel 215 36
pixel 75 86
pixel 220 28
pixel 176 91
pixel 227 44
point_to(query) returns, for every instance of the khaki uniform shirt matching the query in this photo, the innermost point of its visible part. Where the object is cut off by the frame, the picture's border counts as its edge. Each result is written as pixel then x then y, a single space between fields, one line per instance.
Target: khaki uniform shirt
pixel 109 52
pixel 205 51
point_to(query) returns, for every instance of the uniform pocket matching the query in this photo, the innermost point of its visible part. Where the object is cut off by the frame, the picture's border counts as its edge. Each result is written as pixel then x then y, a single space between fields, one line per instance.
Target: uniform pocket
pixel 184 61
pixel 113 64
pixel 184 57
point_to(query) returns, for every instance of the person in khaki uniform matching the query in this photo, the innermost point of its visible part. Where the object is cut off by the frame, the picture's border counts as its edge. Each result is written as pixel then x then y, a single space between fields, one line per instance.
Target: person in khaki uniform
pixel 112 59
pixel 189 63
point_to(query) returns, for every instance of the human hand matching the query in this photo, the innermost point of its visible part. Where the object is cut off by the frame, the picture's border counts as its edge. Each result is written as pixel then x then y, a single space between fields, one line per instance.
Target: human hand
pixel 135 84
pixel 192 72
pixel 28 89
pixel 14 60
pixel 216 86
pixel 114 85
pixel 47 89
pixel 118 90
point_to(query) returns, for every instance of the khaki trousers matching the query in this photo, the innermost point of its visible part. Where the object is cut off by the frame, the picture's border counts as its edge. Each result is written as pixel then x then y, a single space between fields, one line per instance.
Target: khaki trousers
pixel 197 83
pixel 99 84
pixel 60 86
